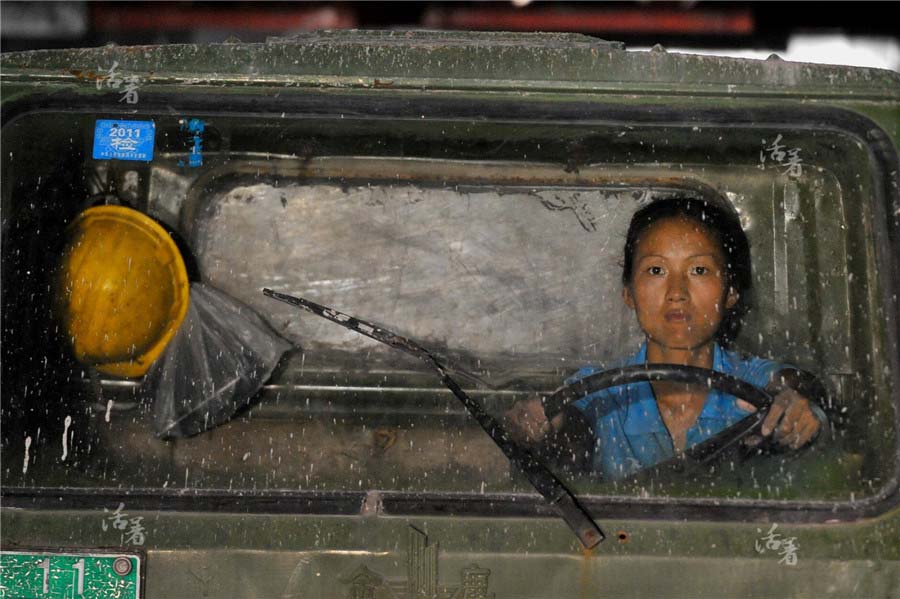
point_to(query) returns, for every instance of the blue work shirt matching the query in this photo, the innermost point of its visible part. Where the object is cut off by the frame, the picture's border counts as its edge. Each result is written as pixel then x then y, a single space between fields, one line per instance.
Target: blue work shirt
pixel 629 433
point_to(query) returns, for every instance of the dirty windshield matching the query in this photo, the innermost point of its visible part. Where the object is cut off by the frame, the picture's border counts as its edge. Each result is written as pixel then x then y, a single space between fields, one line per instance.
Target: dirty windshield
pixel 498 245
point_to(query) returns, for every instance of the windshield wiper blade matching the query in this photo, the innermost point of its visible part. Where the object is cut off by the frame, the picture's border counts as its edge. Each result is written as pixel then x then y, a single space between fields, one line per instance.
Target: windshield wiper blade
pixel 541 478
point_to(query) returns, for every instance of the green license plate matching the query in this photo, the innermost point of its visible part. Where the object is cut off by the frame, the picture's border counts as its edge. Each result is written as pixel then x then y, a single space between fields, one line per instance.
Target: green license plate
pixel 52 575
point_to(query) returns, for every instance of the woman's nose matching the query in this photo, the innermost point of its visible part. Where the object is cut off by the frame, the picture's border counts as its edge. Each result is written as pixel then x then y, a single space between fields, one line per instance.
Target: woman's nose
pixel 677 288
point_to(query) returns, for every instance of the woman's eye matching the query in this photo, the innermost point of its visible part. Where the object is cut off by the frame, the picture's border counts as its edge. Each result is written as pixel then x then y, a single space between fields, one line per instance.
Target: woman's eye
pixel 655 270
pixel 700 270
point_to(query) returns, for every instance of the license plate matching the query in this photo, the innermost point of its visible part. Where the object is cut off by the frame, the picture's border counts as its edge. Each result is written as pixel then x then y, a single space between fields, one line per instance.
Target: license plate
pixel 52 575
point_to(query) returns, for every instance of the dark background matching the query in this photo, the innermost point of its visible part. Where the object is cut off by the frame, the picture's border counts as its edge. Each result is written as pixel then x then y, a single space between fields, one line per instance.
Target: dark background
pixel 763 26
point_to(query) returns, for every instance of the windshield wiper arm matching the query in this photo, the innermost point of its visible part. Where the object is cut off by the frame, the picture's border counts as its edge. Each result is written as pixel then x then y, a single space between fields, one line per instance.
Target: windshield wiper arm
pixel 541 478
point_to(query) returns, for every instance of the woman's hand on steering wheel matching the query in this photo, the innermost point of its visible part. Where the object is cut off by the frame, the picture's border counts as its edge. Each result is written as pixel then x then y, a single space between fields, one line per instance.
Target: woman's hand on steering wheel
pixel 527 423
pixel 790 423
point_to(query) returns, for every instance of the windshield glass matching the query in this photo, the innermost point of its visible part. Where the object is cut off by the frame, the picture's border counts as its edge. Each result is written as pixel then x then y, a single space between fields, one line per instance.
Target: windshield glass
pixel 498 246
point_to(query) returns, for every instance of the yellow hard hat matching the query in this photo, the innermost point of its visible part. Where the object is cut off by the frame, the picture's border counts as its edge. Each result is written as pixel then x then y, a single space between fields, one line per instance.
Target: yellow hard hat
pixel 123 290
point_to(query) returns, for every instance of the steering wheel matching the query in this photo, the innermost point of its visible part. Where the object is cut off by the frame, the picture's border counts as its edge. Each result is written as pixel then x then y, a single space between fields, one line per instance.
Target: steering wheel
pixel 702 452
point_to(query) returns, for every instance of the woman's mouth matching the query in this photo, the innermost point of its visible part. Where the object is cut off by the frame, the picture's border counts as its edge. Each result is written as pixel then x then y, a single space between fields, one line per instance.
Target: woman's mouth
pixel 677 316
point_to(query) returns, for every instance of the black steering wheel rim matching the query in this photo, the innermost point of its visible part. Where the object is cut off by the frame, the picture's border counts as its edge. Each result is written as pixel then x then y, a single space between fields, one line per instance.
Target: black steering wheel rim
pixel 701 452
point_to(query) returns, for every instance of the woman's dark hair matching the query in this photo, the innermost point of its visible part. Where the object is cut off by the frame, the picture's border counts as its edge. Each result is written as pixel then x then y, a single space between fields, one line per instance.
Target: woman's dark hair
pixel 723 224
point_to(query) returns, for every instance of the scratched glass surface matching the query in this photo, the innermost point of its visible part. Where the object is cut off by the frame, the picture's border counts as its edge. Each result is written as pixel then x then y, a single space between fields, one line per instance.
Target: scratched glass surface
pixel 495 245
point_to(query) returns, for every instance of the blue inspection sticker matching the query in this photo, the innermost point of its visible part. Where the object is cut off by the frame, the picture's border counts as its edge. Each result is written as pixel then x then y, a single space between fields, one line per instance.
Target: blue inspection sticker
pixel 124 140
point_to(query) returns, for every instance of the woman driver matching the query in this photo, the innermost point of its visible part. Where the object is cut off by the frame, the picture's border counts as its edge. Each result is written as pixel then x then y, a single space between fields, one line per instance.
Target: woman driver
pixel 686 266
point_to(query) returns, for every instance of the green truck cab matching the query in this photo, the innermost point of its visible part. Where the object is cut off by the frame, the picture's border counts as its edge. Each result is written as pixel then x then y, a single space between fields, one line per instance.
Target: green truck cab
pixel 470 192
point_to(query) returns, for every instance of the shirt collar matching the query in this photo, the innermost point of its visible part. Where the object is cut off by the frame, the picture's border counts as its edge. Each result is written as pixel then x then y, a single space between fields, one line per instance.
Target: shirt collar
pixel 638 357
pixel 718 404
pixel 642 413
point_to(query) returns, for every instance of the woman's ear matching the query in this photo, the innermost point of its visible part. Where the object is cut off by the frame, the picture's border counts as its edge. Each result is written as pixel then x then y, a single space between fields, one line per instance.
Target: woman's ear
pixel 732 298
pixel 627 297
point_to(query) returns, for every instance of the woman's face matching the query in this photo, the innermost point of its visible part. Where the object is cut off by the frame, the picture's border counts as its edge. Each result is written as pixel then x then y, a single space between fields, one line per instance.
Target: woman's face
pixel 678 285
